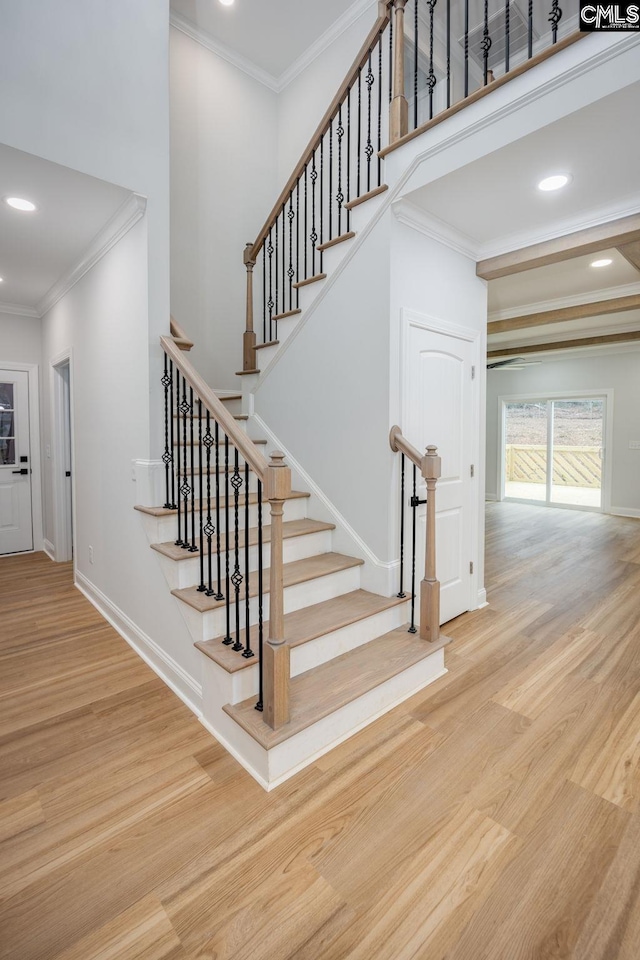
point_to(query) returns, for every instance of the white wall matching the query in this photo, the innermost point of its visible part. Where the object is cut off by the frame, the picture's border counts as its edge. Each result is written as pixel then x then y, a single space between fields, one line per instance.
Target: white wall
pixel 20 339
pixel 223 184
pixel 591 371
pixel 105 310
pixel 86 85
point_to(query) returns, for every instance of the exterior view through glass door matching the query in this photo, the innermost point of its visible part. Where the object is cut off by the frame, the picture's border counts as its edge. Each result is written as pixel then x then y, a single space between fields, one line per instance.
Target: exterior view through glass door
pixel 553 451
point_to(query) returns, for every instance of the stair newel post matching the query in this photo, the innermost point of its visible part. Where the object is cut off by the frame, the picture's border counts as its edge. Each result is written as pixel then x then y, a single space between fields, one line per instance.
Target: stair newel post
pixel 399 114
pixel 249 341
pixel 430 586
pixel 276 651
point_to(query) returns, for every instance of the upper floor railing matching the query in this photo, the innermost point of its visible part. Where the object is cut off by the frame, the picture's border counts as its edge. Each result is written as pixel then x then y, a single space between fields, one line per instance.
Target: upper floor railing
pixel 421 60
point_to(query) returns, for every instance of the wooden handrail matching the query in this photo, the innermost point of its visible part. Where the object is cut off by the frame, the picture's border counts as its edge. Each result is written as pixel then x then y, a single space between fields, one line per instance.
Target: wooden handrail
pixel 179 335
pixel 243 444
pixel 323 126
pixel 399 444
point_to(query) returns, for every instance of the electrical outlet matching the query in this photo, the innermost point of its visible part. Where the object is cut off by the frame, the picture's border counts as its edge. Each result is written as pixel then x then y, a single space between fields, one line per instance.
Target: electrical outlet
pixel 90 554
pixel 634 444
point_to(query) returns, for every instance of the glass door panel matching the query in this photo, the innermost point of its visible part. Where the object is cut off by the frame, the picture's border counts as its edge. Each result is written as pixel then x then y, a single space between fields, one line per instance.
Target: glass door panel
pixel 576 444
pixel 526 438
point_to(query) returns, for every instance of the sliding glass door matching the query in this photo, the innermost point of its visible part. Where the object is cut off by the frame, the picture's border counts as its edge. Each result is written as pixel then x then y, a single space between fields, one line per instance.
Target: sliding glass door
pixel 553 451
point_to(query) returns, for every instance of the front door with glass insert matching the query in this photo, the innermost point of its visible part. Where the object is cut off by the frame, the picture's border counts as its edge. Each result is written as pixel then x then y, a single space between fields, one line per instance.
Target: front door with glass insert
pixel 553 451
pixel 16 524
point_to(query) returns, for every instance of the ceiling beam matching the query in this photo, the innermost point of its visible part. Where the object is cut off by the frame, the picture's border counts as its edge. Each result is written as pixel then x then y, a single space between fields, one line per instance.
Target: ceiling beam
pixel 616 233
pixel 631 252
pixel 566 344
pixel 580 311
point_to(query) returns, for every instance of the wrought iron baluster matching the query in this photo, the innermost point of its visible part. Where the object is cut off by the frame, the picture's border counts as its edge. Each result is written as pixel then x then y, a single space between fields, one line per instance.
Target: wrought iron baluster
pixel 192 547
pixel 330 182
pixel 340 194
pixel 555 17
pixel 306 225
pixel 416 49
pixel 369 79
pixel 291 272
pixel 314 236
pixel 167 456
pixel 202 586
pixel 208 529
pixel 176 414
pixel 359 147
pixel 297 240
pixel 448 54
pixel 219 594
pixel 270 249
pixel 391 58
pixel 507 34
pixel 260 703
pixel 284 268
pixel 401 592
pixel 276 308
pixel 530 30
pixel 466 48
pixel 172 411
pixel 228 639
pixel 348 157
pixel 186 488
pixel 431 79
pixel 322 199
pixel 247 652
pixel 485 43
pixel 236 577
pixel 414 504
pixel 264 293
pixel 380 109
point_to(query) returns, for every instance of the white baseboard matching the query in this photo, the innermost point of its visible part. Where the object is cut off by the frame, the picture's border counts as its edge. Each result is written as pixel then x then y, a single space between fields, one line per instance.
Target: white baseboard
pixel 482 599
pixel 49 549
pixel 182 684
pixel 624 512
pixel 491 497
pixel 235 754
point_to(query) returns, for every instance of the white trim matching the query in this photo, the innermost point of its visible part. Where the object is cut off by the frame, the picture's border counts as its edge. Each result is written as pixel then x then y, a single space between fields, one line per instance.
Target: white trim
pixel 120 223
pixel 607 394
pixel 324 41
pixel 168 669
pixel 482 599
pixel 583 334
pixel 549 356
pixel 64 525
pixel 429 225
pixel 625 512
pixel 35 452
pixel 244 763
pixel 221 50
pixel 18 310
pixel 49 549
pixel 576 300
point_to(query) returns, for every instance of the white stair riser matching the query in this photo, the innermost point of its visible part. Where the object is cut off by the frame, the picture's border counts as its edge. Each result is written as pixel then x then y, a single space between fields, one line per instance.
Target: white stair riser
pixel 232 406
pixel 239 686
pixel 165 529
pixel 240 424
pixel 291 756
pixel 186 572
pixel 204 626
pixel 265 356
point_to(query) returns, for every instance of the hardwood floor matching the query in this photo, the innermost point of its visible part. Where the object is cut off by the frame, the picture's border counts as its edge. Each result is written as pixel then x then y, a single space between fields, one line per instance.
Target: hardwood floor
pixel 495 816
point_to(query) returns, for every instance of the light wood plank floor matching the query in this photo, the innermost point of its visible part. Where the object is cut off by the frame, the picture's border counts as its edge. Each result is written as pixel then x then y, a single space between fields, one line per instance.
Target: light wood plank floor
pixel 495 816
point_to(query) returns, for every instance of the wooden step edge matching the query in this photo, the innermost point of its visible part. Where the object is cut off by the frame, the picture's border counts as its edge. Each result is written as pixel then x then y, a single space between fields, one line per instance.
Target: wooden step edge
pixel 284 316
pixel 236 416
pixel 246 373
pixel 296 572
pixel 183 343
pixel 304 283
pixel 173 511
pixel 327 688
pixel 229 396
pixel 269 343
pixel 332 243
pixel 230 661
pixel 196 443
pixel 291 529
pixel 367 196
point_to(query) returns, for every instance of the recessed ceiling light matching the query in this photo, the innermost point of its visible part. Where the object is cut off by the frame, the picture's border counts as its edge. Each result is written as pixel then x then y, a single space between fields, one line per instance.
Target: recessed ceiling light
pixel 556 182
pixel 226 3
pixel 19 203
pixel 602 263
pixel 1 279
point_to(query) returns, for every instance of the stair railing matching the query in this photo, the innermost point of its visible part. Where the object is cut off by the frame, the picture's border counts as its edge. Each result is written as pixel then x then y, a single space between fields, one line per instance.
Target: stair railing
pixel 429 466
pixel 203 440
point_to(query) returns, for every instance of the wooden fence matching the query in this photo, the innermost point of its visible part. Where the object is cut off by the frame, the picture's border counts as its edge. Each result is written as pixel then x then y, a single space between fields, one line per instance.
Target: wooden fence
pixel 572 466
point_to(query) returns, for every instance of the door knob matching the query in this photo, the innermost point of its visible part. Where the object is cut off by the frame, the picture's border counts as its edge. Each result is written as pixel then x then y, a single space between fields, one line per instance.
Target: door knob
pixel 23 472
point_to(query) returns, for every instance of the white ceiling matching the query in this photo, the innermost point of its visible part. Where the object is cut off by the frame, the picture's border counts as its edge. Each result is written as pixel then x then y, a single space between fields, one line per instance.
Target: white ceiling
pixel 36 249
pixel 272 35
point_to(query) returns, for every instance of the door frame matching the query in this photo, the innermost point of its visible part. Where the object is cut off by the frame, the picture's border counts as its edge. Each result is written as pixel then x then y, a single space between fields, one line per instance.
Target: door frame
pixel 607 440
pixel 64 523
pixel 414 318
pixel 35 458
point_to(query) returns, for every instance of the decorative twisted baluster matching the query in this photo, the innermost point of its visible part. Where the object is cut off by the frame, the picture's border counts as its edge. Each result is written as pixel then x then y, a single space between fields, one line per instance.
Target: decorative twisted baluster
pixel 554 18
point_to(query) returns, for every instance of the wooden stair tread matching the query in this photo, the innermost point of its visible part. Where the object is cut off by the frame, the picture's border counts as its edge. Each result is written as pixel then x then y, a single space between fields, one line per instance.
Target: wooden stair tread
pixel 332 685
pixel 366 196
pixel 236 416
pixel 246 373
pixel 229 396
pixel 304 283
pixel 290 529
pixel 283 316
pixel 299 571
pixel 196 443
pixel 304 625
pixel 169 512
pixel 332 243
pixel 269 343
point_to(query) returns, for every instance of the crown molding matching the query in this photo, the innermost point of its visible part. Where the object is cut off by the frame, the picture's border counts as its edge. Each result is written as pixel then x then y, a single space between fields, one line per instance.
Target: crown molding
pixel 120 223
pixel 540 306
pixel 223 51
pixel 433 227
pixel 527 238
pixel 18 310
pixel 324 41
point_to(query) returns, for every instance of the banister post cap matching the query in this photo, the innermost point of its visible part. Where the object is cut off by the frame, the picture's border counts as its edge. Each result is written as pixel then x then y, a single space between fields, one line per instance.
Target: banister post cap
pixel 278 478
pixel 247 259
pixel 431 467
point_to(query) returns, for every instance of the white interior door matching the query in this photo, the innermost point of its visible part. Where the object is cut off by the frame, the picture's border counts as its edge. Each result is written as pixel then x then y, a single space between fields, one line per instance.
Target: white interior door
pixel 438 410
pixel 16 522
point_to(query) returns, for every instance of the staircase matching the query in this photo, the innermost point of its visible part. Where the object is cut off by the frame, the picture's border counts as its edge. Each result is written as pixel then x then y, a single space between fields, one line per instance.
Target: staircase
pixel 351 655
